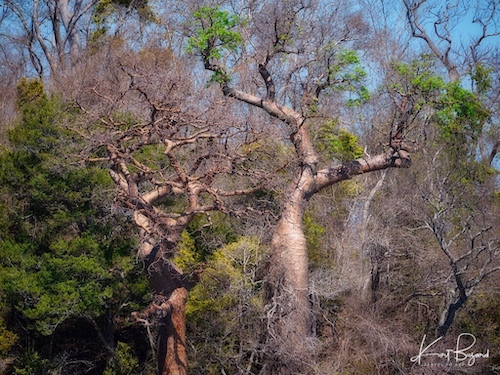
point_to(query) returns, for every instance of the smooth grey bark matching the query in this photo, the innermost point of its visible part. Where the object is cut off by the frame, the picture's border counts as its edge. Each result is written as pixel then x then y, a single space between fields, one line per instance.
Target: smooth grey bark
pixel 289 345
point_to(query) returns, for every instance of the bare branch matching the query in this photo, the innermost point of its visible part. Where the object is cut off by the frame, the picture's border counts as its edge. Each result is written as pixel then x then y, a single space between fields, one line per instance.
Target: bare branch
pixel 335 174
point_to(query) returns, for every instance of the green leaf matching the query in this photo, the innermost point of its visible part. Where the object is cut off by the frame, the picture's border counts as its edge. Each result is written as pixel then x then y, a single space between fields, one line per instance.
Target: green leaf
pixel 338 143
pixel 214 37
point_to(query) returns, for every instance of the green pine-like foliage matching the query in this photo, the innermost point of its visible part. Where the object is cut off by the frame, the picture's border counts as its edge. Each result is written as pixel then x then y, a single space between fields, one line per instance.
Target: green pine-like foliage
pixel 64 256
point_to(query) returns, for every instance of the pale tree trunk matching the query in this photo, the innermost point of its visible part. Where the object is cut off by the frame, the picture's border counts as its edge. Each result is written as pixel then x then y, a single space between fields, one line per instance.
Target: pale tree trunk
pixel 69 21
pixel 370 284
pixel 288 307
pixel 291 342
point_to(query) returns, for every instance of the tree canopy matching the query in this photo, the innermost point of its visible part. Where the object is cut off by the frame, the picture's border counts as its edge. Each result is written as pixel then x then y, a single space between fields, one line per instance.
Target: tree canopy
pixel 263 187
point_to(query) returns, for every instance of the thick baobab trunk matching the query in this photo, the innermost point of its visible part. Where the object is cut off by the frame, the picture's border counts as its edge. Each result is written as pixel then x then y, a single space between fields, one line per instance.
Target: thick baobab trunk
pixel 288 308
pixel 170 296
pixel 172 357
pixel 170 291
pixel 288 312
pixel 287 296
pixel 290 260
pixel 289 316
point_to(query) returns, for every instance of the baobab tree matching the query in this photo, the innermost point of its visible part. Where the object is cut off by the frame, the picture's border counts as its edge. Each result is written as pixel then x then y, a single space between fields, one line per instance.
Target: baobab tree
pixel 288 59
pixel 174 154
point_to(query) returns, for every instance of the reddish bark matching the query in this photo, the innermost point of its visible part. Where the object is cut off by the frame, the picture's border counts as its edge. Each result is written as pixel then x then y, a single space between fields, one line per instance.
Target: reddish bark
pixel 172 356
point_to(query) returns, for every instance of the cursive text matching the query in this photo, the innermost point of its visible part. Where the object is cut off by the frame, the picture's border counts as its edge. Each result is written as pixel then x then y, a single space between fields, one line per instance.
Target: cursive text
pixel 458 354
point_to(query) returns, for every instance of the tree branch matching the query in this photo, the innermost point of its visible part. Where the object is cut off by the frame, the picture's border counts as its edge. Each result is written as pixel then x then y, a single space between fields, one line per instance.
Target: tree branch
pixel 334 174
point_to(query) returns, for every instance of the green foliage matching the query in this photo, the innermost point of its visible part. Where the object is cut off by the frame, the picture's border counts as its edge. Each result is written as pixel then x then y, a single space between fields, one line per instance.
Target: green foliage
pixel 102 10
pixel 481 317
pixel 219 76
pixel 214 37
pixel 210 234
pixel 186 258
pixel 481 76
pixel 124 361
pixel 38 133
pixel 7 339
pixel 30 92
pixel 47 290
pixel 338 143
pixel 31 363
pixel 345 73
pixel 215 34
pixel 223 309
pixel 459 113
pixel 152 156
pixel 362 96
pixel 63 254
pixel 460 119
pixel 346 59
pixel 460 116
pixel 314 233
pixel 419 81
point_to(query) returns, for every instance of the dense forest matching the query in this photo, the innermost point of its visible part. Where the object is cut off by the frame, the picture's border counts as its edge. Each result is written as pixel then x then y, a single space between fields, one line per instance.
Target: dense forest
pixel 249 187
